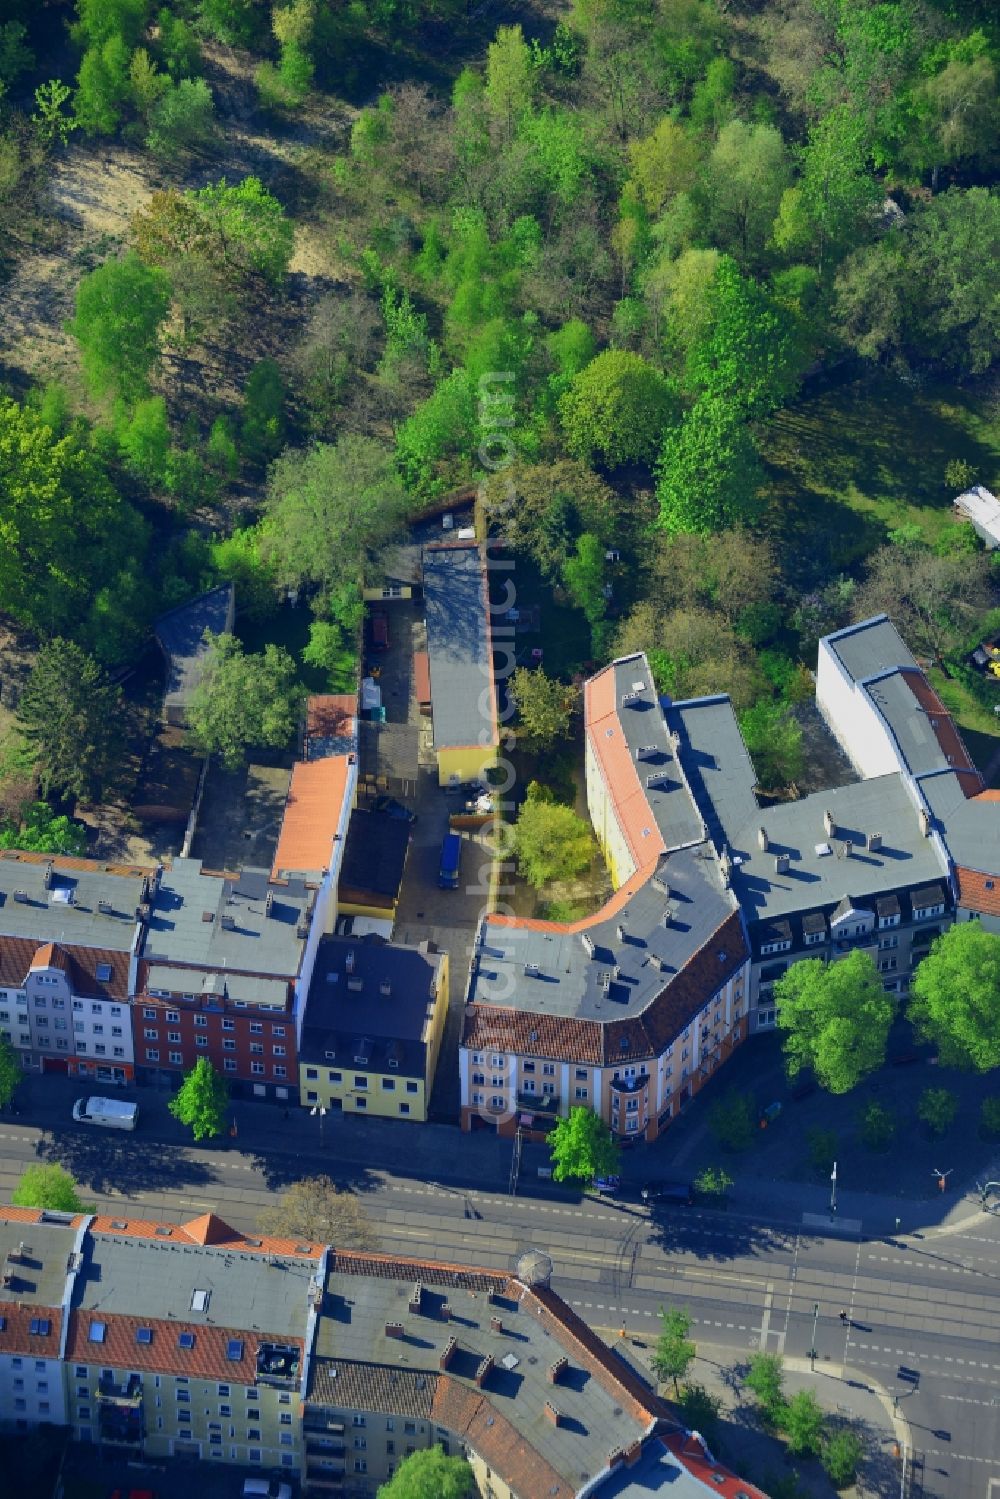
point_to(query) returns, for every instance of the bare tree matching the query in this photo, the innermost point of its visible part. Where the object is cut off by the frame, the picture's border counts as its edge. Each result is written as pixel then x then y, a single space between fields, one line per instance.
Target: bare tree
pixel 316 1209
pixel 935 601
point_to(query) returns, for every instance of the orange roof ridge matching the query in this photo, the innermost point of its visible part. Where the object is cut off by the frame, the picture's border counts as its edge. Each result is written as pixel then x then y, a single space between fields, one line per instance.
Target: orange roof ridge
pixel 51 955
pixel 209 1229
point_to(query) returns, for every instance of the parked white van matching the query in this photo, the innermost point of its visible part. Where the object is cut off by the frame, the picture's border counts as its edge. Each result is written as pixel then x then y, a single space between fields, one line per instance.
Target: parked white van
pixel 111 1112
pixel 264 1488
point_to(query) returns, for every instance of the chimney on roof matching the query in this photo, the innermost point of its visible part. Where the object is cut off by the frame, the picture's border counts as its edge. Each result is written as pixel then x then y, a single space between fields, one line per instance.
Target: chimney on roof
pixel 493 1295
pixel 552 1414
pixel 447 1354
pixel 620 932
pixel 762 839
pixel 925 822
pixel 496 1325
pixel 781 863
pixel 349 960
pixel 556 1371
pixel 47 876
pixel 227 924
pixel 588 943
pixel 725 868
pixel 268 902
pixel 483 1371
pixel 829 825
pixel 208 915
pixel 445 1311
pixel 848 848
pixel 416 1297
pixel 394 1329
pixel 874 842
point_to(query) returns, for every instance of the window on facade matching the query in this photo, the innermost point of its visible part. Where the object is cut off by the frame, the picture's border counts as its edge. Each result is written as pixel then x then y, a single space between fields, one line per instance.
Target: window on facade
pixel 151 1056
pixel 404 1108
pixel 527 1066
pixel 176 1058
pixel 229 1025
pixel 277 1051
pixel 174 1036
pixel 201 1020
pixel 280 1072
pixel 478 1078
pixel 582 1092
pixel 361 1082
pixel 229 1063
pixel 256 1028
pixel 411 1088
pixel 257 1068
pixel 228 1044
pixel 150 1035
pixel 173 1016
pixel 529 1085
pixel 277 1030
pixel 549 1069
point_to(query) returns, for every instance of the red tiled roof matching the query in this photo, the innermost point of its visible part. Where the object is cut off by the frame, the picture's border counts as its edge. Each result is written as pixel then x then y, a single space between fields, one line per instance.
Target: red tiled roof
pixel 421 676
pixel 589 1350
pixel 206 1359
pixel 18 955
pixel 715 1477
pixel 49 956
pixel 80 866
pixel 483 1425
pixel 945 732
pixel 973 894
pixel 331 715
pixel 621 780
pixel 312 815
pixel 206 1230
pixel 16 1336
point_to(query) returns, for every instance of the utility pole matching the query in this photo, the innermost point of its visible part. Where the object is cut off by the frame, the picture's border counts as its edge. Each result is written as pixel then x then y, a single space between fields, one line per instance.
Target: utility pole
pixel 812 1350
pixel 319 1112
pixel 833 1190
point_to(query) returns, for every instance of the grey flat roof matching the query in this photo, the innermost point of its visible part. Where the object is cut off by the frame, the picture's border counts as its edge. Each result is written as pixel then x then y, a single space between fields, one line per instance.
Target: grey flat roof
pixel 181 634
pixel 257 943
pixel 568 982
pixel 656 1472
pixel 68 911
pixel 156 1278
pixel 910 723
pixel 39 1278
pixel 338 1016
pixel 878 805
pixel 970 827
pixel 642 723
pixel 596 1419
pixel 718 767
pixel 248 987
pixel 458 645
pixel 872 646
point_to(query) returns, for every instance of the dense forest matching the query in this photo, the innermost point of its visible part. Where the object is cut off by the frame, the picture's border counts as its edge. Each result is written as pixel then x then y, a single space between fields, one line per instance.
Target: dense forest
pixel 735 263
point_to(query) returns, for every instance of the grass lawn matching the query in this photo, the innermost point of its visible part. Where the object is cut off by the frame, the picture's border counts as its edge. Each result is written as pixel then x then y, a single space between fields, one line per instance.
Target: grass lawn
pixel 289 628
pixel 861 455
pixel 564 634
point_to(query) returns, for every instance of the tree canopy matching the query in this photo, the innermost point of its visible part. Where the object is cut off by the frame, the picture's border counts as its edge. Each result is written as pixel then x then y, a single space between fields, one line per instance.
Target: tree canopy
pixel 834 1018
pixel 674 1352
pixel 550 841
pixel 318 1210
pixel 953 997
pixel 617 409
pixel 48 1186
pixel 202 1100
pixel 581 1147
pixel 70 717
pixel 429 1474
pixel 544 708
pixel 120 309
pixel 243 701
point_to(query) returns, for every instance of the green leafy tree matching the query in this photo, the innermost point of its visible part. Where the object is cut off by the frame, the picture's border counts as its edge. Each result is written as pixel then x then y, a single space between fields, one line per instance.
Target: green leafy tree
pixel 331 509
pixel 989 1117
pixel 822 1144
pixel 581 1147
pixel 731 1120
pixel 52 125
pixel 937 1107
pixel 802 1423
pixel 328 651
pixel 100 20
pixel 49 1187
pixel 773 737
pixel 440 431
pixel 878 1127
pixel 103 87
pixel 182 123
pixel 841 1455
pixel 317 1210
pixel 713 1181
pixel 247 231
pixel 701 1410
pixel 745 177
pixel 145 439
pixel 177 45
pixel 544 709
pixel 837 194
pixel 120 309
pixel 510 80
pixel 39 830
pixel 665 163
pixel 238 23
pixel 429 1474
pixel 617 409
pixel 202 1100
pixel 15 56
pixel 834 1018
pixel 708 472
pixel 959 474
pixel 765 1380
pixel 937 600
pixel 221 450
pixel 242 702
pixel 263 423
pixel 583 577
pixel 953 997
pixel 540 509
pixel 749 355
pixel 550 841
pixel 10 1072
pixel 674 1353
pixel 70 716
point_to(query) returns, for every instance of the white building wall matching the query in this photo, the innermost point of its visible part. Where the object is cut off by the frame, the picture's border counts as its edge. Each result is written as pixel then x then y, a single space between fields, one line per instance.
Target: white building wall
pixel 853 719
pixel 31 1389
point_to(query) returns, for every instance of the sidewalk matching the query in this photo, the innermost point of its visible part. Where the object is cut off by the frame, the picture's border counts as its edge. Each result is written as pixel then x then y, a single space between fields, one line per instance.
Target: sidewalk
pixel 846 1396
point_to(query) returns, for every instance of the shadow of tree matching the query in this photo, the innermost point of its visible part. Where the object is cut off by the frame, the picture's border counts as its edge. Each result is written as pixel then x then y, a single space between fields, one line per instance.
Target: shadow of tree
pixel 125 1165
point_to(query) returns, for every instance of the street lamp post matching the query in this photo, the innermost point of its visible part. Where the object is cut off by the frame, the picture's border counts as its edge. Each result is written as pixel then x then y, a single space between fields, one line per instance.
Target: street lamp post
pixel 833 1190
pixel 942 1177
pixel 812 1349
pixel 321 1113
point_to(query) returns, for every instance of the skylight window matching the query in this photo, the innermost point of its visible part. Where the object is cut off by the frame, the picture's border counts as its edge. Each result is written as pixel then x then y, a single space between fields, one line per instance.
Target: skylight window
pixel 185 1340
pixel 40 1327
pixel 104 972
pixel 234 1350
pixel 144 1335
pixel 97 1331
pixel 199 1301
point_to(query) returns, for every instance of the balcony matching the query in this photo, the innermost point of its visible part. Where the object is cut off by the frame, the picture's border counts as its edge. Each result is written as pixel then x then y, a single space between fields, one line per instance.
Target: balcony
pixel 539 1103
pixel 128 1393
pixel 277 1364
pixel 629 1084
pixel 315 1421
pixel 327 1447
pixel 120 1425
pixel 319 1481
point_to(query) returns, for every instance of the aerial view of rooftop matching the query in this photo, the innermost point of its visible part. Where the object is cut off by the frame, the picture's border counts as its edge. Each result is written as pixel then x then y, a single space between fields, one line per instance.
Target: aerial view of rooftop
pixel 499 749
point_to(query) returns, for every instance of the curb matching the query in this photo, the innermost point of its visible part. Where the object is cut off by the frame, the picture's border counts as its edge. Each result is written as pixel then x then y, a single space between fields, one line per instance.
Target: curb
pixel 855 1378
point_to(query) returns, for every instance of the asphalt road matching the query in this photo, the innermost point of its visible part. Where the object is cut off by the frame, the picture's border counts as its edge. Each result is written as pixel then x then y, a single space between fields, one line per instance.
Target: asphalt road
pixel 930 1305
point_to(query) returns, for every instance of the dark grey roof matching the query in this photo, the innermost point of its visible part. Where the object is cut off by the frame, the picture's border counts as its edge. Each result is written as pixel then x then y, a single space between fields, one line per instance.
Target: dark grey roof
pixel 458 646
pixel 68 908
pixel 254 939
pixel 38 1275
pixel 553 973
pixel 869 647
pixel 814 921
pixel 657 1471
pixel 641 716
pixel 888 905
pixel 346 1006
pixel 181 634
pixel 881 804
pixel 374 853
pixel 156 1278
pixel 927 895
pixel 910 723
pixel 970 827
pixel 718 767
